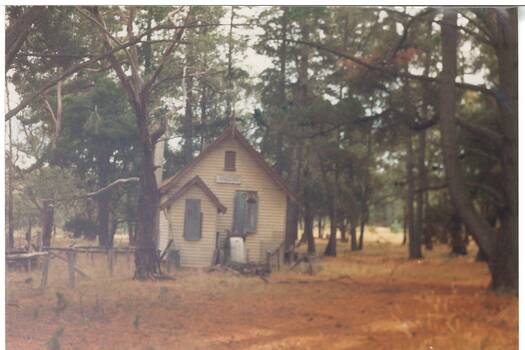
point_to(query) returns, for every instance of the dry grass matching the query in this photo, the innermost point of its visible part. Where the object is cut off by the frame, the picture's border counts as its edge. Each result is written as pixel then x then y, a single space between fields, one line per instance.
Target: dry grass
pixel 375 299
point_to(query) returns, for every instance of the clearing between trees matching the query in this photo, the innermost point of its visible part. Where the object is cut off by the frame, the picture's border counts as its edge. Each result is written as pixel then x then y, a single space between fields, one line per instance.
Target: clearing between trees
pixel 372 299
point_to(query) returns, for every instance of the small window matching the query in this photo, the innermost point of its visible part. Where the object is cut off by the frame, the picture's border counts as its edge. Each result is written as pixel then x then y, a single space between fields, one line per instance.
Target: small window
pixel 229 161
pixel 193 220
pixel 245 213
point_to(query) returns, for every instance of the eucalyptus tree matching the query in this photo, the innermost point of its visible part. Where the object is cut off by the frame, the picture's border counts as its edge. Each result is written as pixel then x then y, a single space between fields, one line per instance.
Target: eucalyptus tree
pixel 138 87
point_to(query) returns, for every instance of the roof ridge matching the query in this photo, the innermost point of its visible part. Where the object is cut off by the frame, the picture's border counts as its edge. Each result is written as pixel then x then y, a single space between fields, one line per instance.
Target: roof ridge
pixel 233 133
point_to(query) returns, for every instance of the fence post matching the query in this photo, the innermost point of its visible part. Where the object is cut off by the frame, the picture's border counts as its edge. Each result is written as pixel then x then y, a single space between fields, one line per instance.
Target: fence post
pixel 71 268
pixel 45 270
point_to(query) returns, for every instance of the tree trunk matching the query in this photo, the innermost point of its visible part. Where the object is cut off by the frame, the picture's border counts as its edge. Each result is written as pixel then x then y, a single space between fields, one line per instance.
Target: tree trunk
pixel 420 199
pixel 414 243
pixel 331 247
pixel 505 262
pixel 47 221
pixel 353 236
pixel 10 190
pixel 103 200
pixel 187 148
pixel 501 249
pixel 113 229
pixel 131 234
pixel 362 224
pixel 146 259
pixel 457 240
pixel 342 229
pixel 280 164
pixel 292 217
pixel 309 229
pixel 320 227
pixel 363 220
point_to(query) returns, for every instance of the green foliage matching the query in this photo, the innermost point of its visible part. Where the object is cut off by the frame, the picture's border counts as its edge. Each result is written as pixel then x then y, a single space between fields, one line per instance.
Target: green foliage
pixel 81 227
pixel 395 227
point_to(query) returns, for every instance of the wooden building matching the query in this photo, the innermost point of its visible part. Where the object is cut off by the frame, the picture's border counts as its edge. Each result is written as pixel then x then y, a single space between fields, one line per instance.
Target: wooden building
pixel 227 191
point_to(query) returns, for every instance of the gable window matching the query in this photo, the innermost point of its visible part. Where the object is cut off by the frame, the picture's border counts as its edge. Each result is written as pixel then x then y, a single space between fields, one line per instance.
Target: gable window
pixel 229 160
pixel 245 213
pixel 193 220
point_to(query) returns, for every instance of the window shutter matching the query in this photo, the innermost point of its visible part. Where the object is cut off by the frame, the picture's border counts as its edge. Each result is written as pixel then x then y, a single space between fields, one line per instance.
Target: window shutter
pixel 193 220
pixel 238 213
pixel 252 206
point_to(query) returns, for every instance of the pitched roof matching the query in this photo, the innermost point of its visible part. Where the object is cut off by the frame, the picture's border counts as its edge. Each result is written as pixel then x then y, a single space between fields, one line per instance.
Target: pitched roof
pixel 196 181
pixel 233 134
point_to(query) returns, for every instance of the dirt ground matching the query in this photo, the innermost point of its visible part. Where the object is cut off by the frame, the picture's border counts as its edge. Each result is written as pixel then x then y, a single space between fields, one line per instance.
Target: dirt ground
pixel 374 299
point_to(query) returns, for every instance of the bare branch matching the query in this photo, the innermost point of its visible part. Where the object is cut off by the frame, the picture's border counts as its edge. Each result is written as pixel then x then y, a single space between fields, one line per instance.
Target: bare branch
pixel 104 189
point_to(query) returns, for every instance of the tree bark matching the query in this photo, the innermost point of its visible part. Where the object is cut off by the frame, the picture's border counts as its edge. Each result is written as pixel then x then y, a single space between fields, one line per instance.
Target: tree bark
pixel 309 228
pixel 353 236
pixel 10 190
pixel 103 200
pixel 138 90
pixel 414 243
pixel 505 261
pixel 331 247
pixel 146 253
pixel 457 240
pixel 292 217
pixel 47 221
pixel 422 183
pixel 187 148
pixel 363 220
pixel 501 249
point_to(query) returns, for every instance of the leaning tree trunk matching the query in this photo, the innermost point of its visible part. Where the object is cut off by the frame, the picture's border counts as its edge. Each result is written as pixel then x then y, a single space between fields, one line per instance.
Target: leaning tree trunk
pixel 501 249
pixel 505 261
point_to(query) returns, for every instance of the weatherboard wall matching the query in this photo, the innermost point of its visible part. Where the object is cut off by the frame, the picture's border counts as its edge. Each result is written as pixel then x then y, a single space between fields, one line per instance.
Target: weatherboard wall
pixel 272 201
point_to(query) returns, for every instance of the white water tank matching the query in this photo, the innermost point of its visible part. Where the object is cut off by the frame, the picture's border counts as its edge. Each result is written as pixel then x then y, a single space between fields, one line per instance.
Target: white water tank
pixel 237 251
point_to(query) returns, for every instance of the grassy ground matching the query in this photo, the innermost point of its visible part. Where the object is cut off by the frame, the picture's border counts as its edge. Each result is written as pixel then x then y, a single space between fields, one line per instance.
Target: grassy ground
pixel 375 299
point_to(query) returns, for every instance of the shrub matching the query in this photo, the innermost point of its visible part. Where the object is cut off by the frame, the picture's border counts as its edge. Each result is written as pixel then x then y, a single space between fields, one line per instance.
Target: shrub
pixel 81 227
pixel 395 227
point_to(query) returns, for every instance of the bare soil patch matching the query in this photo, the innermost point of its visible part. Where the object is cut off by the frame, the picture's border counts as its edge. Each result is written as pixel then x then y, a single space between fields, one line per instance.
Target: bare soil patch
pixel 375 299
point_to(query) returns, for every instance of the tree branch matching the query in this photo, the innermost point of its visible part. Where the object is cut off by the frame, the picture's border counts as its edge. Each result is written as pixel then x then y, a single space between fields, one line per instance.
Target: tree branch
pixel 68 72
pixel 479 88
pixel 100 191
pixel 481 132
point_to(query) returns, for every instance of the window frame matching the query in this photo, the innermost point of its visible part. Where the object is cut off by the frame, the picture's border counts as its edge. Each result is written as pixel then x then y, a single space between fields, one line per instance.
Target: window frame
pixel 185 234
pixel 230 163
pixel 246 218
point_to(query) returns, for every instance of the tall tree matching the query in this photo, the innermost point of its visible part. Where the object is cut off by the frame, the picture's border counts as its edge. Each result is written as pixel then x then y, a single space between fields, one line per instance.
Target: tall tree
pixel 138 89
